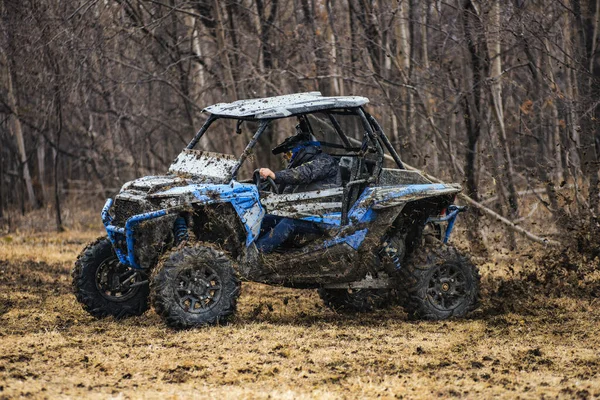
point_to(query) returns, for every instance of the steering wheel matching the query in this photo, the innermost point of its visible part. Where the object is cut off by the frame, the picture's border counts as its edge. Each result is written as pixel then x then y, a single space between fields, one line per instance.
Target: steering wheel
pixel 264 184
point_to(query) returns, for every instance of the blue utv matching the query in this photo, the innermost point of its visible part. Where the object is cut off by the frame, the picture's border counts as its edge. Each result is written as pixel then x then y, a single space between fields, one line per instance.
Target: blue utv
pixel 185 240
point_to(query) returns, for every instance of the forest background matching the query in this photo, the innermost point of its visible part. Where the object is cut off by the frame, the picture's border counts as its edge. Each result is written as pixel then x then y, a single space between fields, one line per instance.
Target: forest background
pixel 501 96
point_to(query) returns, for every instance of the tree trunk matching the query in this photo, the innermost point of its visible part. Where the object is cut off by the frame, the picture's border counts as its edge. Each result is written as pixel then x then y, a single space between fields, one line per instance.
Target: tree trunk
pixel 18 133
pixel 321 58
pixel 410 101
pixel 265 28
pixel 41 161
pixel 224 52
pixel 496 94
pixel 336 52
pixel 585 27
pixel 404 61
pixel 574 141
pixel 499 183
pixel 472 102
pixel 559 168
pixel 59 116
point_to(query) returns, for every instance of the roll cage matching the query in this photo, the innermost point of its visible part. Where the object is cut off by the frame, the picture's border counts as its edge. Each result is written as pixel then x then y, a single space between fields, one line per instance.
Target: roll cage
pixel 374 140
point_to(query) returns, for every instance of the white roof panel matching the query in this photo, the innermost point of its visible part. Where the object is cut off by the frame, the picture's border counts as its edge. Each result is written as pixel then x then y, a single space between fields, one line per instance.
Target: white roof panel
pixel 284 106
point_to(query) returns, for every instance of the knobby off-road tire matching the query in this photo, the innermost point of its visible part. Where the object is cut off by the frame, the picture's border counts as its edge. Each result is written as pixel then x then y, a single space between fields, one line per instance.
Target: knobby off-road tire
pixel 438 282
pixel 355 300
pixel 96 276
pixel 195 286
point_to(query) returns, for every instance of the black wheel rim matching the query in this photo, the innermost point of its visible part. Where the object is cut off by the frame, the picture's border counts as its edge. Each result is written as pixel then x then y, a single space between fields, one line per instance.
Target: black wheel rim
pixel 198 290
pixel 447 287
pixel 114 280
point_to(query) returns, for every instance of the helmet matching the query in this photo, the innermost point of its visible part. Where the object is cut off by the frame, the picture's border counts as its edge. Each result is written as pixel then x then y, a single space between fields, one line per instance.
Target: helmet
pixel 302 137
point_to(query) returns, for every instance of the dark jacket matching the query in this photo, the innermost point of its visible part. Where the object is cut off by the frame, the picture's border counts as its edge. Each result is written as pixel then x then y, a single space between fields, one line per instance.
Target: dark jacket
pixel 309 170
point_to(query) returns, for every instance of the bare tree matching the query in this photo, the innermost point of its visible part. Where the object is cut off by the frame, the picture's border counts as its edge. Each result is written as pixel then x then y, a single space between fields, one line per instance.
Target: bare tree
pixel 500 95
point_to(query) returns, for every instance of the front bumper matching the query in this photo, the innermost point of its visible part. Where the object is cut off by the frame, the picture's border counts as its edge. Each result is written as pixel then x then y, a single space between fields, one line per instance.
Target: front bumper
pixel 117 234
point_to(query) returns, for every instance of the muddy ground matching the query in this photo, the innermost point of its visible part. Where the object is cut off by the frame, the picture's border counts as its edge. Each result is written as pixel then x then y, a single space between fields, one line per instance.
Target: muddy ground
pixel 527 341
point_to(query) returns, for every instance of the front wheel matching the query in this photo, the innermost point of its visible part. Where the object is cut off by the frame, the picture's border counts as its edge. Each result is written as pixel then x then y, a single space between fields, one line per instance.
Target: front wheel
pixel 439 282
pixel 104 286
pixel 195 286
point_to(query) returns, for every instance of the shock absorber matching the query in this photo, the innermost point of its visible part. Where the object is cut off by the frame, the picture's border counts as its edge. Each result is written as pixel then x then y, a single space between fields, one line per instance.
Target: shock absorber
pixel 394 256
pixel 180 230
pixel 394 250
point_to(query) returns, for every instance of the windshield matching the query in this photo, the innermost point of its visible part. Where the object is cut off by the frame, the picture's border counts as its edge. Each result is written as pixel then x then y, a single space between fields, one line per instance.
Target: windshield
pixel 204 165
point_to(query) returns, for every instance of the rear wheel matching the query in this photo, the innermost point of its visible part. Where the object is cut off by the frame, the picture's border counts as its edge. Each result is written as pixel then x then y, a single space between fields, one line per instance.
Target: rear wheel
pixel 106 287
pixel 439 282
pixel 195 286
pixel 355 300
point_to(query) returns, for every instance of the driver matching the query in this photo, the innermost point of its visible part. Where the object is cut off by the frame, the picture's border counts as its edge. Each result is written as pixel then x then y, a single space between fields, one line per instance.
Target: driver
pixel 308 169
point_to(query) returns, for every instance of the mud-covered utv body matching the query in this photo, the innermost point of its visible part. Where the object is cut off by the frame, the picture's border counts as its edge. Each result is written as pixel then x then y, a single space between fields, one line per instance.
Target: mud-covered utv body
pixel 192 232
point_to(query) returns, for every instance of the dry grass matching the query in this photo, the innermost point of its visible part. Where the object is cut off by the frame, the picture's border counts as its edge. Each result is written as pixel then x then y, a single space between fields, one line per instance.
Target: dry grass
pixel 285 344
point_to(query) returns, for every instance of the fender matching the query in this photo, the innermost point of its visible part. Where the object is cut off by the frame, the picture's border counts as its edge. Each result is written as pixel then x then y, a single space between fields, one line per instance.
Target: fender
pixel 243 197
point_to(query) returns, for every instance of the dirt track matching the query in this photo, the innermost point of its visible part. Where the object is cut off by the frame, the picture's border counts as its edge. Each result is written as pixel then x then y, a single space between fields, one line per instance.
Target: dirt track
pixel 285 344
